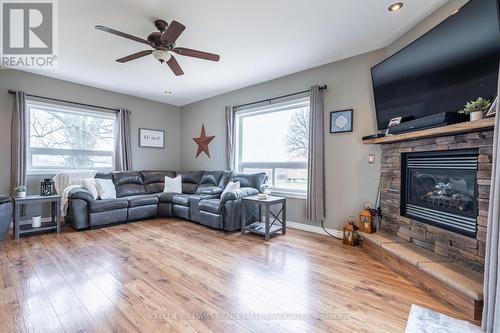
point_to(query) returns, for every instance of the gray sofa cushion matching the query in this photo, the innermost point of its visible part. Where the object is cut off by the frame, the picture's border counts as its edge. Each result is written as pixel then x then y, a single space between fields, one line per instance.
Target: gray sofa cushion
pixel 211 178
pixel 210 205
pixel 106 205
pixel 181 199
pixel 166 197
pixel 224 180
pixel 142 200
pixel 190 181
pixel 104 175
pixel 128 183
pixel 255 180
pixel 154 181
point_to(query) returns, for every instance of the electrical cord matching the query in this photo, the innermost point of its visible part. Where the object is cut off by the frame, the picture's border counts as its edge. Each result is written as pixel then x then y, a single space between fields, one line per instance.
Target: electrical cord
pixel 323 226
pixel 377 211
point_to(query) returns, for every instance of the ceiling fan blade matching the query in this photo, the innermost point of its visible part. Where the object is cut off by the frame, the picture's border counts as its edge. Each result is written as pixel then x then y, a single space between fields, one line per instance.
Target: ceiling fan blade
pixel 196 54
pixel 173 32
pixel 174 66
pixel 122 34
pixel 135 56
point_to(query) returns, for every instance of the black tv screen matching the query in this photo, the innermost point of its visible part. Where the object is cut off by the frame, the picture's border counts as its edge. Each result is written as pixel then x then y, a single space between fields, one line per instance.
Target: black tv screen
pixel 456 62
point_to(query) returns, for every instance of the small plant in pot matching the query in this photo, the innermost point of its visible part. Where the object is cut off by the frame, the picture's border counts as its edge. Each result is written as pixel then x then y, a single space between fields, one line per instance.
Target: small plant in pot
pixel 476 109
pixel 20 191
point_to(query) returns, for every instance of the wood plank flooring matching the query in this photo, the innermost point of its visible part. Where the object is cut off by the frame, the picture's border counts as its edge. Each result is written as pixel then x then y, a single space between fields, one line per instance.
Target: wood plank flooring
pixel 168 275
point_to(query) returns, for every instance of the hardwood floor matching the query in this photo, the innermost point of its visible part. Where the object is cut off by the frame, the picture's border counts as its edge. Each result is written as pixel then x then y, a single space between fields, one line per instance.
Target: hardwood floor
pixel 168 275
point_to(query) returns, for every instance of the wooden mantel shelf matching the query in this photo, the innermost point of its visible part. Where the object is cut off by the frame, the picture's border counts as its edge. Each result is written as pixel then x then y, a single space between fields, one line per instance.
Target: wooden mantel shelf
pixel 464 127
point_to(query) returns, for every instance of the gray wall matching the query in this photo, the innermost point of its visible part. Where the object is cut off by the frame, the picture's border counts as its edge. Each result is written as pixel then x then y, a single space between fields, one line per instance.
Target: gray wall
pixel 145 113
pixel 350 180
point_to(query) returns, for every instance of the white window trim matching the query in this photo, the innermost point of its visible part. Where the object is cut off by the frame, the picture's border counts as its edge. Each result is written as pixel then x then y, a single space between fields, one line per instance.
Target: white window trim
pixel 54 151
pixel 240 165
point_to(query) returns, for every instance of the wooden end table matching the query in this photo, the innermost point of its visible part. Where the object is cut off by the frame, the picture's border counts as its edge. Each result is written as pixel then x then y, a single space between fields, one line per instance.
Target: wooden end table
pixel 22 227
pixel 266 228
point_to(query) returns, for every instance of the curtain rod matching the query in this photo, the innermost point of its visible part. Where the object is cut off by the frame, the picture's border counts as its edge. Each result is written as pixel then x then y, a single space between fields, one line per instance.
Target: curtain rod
pixel 12 92
pixel 271 99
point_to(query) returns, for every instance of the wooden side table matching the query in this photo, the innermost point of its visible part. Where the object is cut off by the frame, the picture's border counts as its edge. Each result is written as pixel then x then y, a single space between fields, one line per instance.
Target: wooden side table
pixel 22 227
pixel 266 228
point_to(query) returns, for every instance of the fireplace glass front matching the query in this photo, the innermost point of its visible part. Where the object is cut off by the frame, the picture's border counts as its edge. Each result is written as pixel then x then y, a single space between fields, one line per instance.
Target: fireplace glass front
pixel 439 188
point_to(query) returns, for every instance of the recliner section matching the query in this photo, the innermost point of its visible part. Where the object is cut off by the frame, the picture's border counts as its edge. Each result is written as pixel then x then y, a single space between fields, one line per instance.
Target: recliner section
pixel 140 196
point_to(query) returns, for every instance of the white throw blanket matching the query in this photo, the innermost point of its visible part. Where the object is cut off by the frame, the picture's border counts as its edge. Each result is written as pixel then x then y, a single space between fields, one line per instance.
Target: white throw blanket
pixel 66 181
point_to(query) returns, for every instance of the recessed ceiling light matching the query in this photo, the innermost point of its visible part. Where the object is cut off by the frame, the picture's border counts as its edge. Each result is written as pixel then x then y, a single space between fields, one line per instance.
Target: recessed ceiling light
pixel 395 6
pixel 168 92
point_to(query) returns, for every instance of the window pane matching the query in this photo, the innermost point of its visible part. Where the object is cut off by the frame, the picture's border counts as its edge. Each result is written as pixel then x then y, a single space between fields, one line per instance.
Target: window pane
pixel 280 136
pixel 62 130
pixel 64 138
pixel 39 161
pixel 291 179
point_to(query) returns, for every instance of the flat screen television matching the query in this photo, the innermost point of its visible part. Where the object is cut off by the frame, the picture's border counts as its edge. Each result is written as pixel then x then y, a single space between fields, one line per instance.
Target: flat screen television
pixel 452 64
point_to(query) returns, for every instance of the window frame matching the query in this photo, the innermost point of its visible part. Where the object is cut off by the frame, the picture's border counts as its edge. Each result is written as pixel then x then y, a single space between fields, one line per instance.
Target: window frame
pixel 240 115
pixel 63 108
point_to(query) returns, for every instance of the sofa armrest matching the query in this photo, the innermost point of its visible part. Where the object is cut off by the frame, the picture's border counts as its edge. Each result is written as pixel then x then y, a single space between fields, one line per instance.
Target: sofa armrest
pixel 82 194
pixel 4 199
pixel 238 194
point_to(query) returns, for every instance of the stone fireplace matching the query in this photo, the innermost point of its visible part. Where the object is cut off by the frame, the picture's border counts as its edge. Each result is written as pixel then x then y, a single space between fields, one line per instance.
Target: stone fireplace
pixel 435 193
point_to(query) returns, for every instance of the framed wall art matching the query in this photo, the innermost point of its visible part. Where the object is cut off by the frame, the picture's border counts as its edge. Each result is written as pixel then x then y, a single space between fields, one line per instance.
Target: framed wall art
pixel 150 138
pixel 341 121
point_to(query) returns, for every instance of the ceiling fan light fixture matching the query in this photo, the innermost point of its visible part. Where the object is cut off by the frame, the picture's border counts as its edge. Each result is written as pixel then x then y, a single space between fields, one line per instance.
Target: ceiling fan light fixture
pixel 395 7
pixel 161 55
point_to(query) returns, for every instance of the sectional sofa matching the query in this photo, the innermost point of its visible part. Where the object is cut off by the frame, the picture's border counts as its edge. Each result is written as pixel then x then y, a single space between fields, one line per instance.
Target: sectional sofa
pixel 139 195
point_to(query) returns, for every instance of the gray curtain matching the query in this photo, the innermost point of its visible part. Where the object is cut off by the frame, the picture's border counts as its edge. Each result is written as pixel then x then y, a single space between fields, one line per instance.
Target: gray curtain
pixel 491 310
pixel 123 142
pixel 315 204
pixel 230 138
pixel 18 142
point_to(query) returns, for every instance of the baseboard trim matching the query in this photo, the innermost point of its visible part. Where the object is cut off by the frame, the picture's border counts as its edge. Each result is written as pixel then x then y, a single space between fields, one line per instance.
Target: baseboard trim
pixel 314 229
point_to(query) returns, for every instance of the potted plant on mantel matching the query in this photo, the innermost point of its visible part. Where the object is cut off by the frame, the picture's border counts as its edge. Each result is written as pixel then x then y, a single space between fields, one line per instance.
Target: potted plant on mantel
pixel 476 109
pixel 20 191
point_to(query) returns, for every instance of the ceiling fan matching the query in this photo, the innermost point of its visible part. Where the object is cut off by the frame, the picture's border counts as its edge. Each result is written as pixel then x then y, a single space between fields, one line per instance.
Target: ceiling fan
pixel 163 43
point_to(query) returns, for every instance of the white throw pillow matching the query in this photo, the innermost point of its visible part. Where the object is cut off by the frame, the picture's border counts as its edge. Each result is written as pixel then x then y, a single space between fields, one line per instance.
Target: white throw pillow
pixel 105 188
pixel 173 185
pixel 89 185
pixel 231 186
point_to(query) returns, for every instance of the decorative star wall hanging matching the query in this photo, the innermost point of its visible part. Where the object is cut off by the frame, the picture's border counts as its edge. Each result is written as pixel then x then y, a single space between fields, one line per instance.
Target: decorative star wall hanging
pixel 203 141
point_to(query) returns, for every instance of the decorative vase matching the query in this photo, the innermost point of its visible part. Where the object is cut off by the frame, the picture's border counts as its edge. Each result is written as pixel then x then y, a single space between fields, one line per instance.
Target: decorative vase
pixel 21 194
pixel 36 221
pixel 477 115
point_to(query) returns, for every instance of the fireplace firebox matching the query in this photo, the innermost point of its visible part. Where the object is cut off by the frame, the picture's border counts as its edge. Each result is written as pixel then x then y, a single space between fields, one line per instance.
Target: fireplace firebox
pixel 440 188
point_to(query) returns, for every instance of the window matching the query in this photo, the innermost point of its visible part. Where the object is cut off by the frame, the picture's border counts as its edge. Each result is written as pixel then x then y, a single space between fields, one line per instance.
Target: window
pixel 62 137
pixel 275 139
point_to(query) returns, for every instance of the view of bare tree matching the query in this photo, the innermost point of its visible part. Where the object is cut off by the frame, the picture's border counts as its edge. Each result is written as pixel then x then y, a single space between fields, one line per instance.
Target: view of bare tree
pixel 71 132
pixel 298 134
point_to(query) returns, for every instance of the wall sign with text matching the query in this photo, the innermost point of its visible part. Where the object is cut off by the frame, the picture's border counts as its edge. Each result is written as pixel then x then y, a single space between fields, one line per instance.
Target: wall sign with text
pixel 151 138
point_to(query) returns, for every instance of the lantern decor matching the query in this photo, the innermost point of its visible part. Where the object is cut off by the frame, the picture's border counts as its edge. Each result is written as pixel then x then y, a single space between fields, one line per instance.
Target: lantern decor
pixel 366 219
pixel 47 187
pixel 351 235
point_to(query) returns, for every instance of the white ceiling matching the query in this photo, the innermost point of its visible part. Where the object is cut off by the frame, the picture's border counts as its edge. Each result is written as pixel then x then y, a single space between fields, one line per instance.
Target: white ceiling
pixel 258 40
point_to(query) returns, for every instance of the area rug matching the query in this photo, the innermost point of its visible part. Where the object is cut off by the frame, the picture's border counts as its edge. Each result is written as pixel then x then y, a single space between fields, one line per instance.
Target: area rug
pixel 422 320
